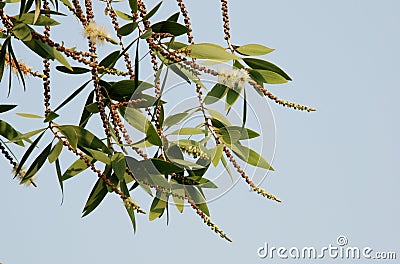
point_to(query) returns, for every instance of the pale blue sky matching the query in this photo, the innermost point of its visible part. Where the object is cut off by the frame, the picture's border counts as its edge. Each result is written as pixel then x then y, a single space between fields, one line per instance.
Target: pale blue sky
pixel 335 168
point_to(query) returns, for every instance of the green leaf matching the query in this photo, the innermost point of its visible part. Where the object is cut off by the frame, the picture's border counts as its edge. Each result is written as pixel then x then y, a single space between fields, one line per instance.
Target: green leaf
pixel 125 89
pixel 7 131
pixel 175 119
pixel 133 5
pixel 123 15
pixel 55 152
pixel 5 108
pixel 29 115
pixel 51 116
pixel 270 77
pixel 152 11
pixel 46 51
pixel 97 155
pixel 152 135
pixel 3 53
pixel 250 156
pixel 210 51
pixel 93 107
pixel 265 65
pixel 216 93
pixel 118 164
pixel 37 164
pixel 189 131
pixel 77 167
pixel 164 167
pixel 253 50
pixel 85 113
pixel 174 17
pixel 28 153
pixel 217 154
pixel 137 119
pixel 110 60
pixel 146 34
pixel 86 139
pixel 129 210
pixel 59 177
pixel 127 29
pixel 22 32
pixel 227 167
pixel 198 198
pixel 71 135
pixel 157 207
pixel 178 194
pixel 231 97
pixel 170 27
pixel 72 96
pixel 73 70
pixel 220 117
pixel 96 196
pixel 27 135
pixel 28 18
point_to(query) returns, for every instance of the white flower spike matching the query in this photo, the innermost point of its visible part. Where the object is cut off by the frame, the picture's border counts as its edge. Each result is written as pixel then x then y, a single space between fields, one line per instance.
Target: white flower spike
pixel 233 78
pixel 97 33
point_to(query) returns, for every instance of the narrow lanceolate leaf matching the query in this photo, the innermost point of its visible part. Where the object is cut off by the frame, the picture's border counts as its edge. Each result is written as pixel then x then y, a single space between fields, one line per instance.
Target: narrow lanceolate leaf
pixel 72 96
pixel 118 164
pixel 71 135
pixel 59 177
pixel 97 155
pixel 7 131
pixel 37 164
pixel 3 52
pixel 85 113
pixel 198 198
pixel 152 11
pixel 170 27
pixel 250 156
pixel 216 93
pixel 50 117
pixel 45 51
pixel 133 5
pixel 130 211
pixel 22 32
pixel 29 115
pixel 217 154
pixel 14 58
pixel 210 51
pixel 269 76
pixel 178 195
pixel 77 167
pixel 110 60
pixel 127 29
pixel 96 196
pixel 85 138
pixel 27 135
pixel 158 206
pixel 55 152
pixel 73 70
pixel 123 15
pixel 175 119
pixel 265 65
pixel 253 50
pixel 28 18
pixel 28 153
pixel 189 131
pixel 5 108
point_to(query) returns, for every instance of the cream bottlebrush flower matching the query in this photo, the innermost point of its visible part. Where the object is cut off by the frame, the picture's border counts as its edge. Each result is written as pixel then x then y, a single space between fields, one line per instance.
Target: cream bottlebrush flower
pixel 21 174
pixel 97 33
pixel 233 78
